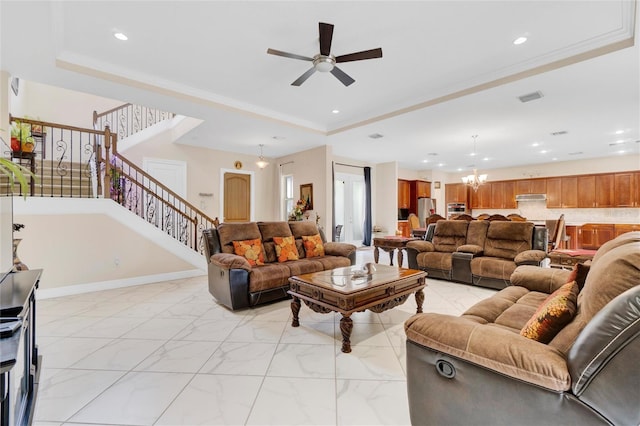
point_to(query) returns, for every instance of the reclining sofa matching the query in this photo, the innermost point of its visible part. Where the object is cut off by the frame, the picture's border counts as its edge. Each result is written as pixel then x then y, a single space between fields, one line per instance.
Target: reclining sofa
pixel 478 252
pixel 485 368
pixel 237 284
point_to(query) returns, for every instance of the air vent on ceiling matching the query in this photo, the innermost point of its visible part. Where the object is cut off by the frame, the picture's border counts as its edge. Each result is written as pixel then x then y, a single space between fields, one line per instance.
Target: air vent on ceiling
pixel 530 96
pixel 561 132
pixel 376 136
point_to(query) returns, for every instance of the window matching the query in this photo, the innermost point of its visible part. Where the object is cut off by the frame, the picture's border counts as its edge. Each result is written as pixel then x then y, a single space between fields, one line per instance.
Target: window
pixel 288 201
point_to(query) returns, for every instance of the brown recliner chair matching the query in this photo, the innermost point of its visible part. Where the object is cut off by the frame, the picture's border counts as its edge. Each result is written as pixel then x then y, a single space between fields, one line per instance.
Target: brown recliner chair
pixel 479 369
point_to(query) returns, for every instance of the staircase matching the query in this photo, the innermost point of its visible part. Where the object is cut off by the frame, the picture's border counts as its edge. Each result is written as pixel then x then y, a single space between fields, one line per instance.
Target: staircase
pixel 72 162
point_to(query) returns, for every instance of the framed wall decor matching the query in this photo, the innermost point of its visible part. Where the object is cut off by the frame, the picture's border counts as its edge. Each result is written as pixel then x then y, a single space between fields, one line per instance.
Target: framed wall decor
pixel 306 194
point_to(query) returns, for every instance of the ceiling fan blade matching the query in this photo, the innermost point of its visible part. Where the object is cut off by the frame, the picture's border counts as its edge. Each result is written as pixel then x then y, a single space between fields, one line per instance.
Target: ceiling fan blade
pixel 304 77
pixel 288 55
pixel 342 76
pixel 326 34
pixel 359 56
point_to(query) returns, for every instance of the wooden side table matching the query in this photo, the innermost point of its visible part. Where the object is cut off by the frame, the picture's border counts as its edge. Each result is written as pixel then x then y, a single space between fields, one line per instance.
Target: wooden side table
pixel 389 244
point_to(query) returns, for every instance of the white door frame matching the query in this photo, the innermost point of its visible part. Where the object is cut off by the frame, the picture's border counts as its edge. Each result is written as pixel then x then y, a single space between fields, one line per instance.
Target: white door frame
pixel 252 195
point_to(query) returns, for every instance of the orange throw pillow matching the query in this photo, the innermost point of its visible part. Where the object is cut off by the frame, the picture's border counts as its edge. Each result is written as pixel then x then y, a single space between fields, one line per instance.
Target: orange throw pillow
pixel 313 245
pixel 555 312
pixel 286 248
pixel 250 250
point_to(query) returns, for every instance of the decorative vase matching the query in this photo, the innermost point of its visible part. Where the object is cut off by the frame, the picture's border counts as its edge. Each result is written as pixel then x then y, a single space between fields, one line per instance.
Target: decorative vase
pixel 17 263
pixel 27 147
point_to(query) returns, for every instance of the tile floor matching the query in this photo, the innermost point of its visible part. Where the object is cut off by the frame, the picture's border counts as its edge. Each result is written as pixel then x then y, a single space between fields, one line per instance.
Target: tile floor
pixel 167 354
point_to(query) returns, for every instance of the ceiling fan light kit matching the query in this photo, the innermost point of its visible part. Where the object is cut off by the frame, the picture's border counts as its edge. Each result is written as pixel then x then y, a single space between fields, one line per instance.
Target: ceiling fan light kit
pixel 325 61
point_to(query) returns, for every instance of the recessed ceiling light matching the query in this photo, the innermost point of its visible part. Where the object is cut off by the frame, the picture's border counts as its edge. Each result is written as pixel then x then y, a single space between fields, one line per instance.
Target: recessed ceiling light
pixel 619 132
pixel 473 154
pixel 440 164
pixel 425 161
pixel 519 40
pixel 535 144
pixel 622 151
pixel 121 36
pixel 485 159
pixel 335 111
pixel 544 151
pixel 459 169
pixel 554 159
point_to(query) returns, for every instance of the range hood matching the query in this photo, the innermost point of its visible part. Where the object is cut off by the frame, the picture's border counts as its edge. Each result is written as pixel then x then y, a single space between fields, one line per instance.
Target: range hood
pixel 531 197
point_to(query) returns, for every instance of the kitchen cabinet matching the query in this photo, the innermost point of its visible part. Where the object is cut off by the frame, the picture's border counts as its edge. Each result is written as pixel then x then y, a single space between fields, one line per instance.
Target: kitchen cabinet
pixel 562 192
pixel 571 231
pixel 627 189
pixel 403 227
pixel 404 194
pixel 553 193
pixel 596 190
pixel 569 192
pixel 620 229
pixel 481 198
pixel 423 189
pixel 457 193
pixel 531 186
pixel 592 235
pixel 503 195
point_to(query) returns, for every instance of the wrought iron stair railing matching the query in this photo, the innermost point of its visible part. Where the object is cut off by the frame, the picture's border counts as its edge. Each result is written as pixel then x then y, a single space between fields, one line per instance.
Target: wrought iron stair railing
pixel 74 162
pixel 129 119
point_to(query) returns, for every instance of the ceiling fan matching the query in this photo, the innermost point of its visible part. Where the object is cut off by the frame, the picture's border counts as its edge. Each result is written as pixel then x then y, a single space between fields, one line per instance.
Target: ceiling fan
pixel 324 61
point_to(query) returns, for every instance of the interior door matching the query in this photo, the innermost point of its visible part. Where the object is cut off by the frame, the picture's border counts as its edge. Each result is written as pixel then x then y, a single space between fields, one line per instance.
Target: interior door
pixel 237 197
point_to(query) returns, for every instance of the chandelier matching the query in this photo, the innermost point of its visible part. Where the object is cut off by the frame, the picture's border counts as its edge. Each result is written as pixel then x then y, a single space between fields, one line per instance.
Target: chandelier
pixel 474 180
pixel 262 163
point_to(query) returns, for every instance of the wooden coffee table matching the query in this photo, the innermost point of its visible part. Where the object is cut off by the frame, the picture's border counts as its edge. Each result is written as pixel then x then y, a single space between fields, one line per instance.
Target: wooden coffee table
pixel 354 289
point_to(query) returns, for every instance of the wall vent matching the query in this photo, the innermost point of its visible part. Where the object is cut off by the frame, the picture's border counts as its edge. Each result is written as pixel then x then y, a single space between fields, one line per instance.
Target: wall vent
pixel 561 132
pixel 376 136
pixel 530 97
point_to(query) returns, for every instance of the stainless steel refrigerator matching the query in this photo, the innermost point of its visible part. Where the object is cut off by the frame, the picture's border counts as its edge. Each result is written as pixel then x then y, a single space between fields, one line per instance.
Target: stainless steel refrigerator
pixel 426 207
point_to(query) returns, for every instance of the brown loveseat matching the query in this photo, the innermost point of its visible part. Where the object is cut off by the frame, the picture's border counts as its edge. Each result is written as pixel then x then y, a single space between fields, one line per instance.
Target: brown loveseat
pixel 479 252
pixel 236 284
pixel 479 369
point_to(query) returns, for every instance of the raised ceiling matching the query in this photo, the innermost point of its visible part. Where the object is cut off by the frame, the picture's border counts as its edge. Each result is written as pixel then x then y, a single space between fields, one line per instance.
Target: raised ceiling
pixel 449 71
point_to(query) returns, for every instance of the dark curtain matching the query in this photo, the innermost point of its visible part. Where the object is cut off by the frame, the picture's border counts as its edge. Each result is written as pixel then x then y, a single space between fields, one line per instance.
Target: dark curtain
pixel 333 201
pixel 367 207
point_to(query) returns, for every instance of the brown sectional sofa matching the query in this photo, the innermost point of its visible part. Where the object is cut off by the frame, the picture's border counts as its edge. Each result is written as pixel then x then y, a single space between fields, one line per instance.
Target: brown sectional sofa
pixel 478 369
pixel 236 284
pixel 479 252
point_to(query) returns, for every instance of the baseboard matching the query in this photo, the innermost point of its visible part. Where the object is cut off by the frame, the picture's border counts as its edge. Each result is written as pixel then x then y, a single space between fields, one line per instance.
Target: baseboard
pixel 109 285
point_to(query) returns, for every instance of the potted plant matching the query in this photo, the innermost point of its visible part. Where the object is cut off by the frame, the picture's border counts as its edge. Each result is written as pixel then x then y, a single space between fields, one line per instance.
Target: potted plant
pixel 21 138
pixel 15 172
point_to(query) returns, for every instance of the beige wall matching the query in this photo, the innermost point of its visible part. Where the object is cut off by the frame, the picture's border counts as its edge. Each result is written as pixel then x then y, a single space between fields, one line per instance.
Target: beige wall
pixel 87 248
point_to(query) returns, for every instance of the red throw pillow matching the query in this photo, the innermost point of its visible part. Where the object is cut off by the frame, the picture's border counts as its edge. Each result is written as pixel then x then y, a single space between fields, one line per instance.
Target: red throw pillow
pixel 313 245
pixel 250 250
pixel 286 248
pixel 579 274
pixel 555 312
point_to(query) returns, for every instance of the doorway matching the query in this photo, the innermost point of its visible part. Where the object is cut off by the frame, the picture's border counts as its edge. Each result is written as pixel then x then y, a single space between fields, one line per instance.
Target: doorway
pixel 350 207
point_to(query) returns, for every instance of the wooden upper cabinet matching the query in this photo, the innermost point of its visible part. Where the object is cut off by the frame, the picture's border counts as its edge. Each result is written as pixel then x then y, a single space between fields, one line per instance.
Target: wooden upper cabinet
pixel 481 199
pixel 587 194
pixel 531 186
pixel 569 192
pixel 627 189
pixel 605 190
pixel 423 189
pixel 404 194
pixel 457 193
pixel 503 195
pixel 554 193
